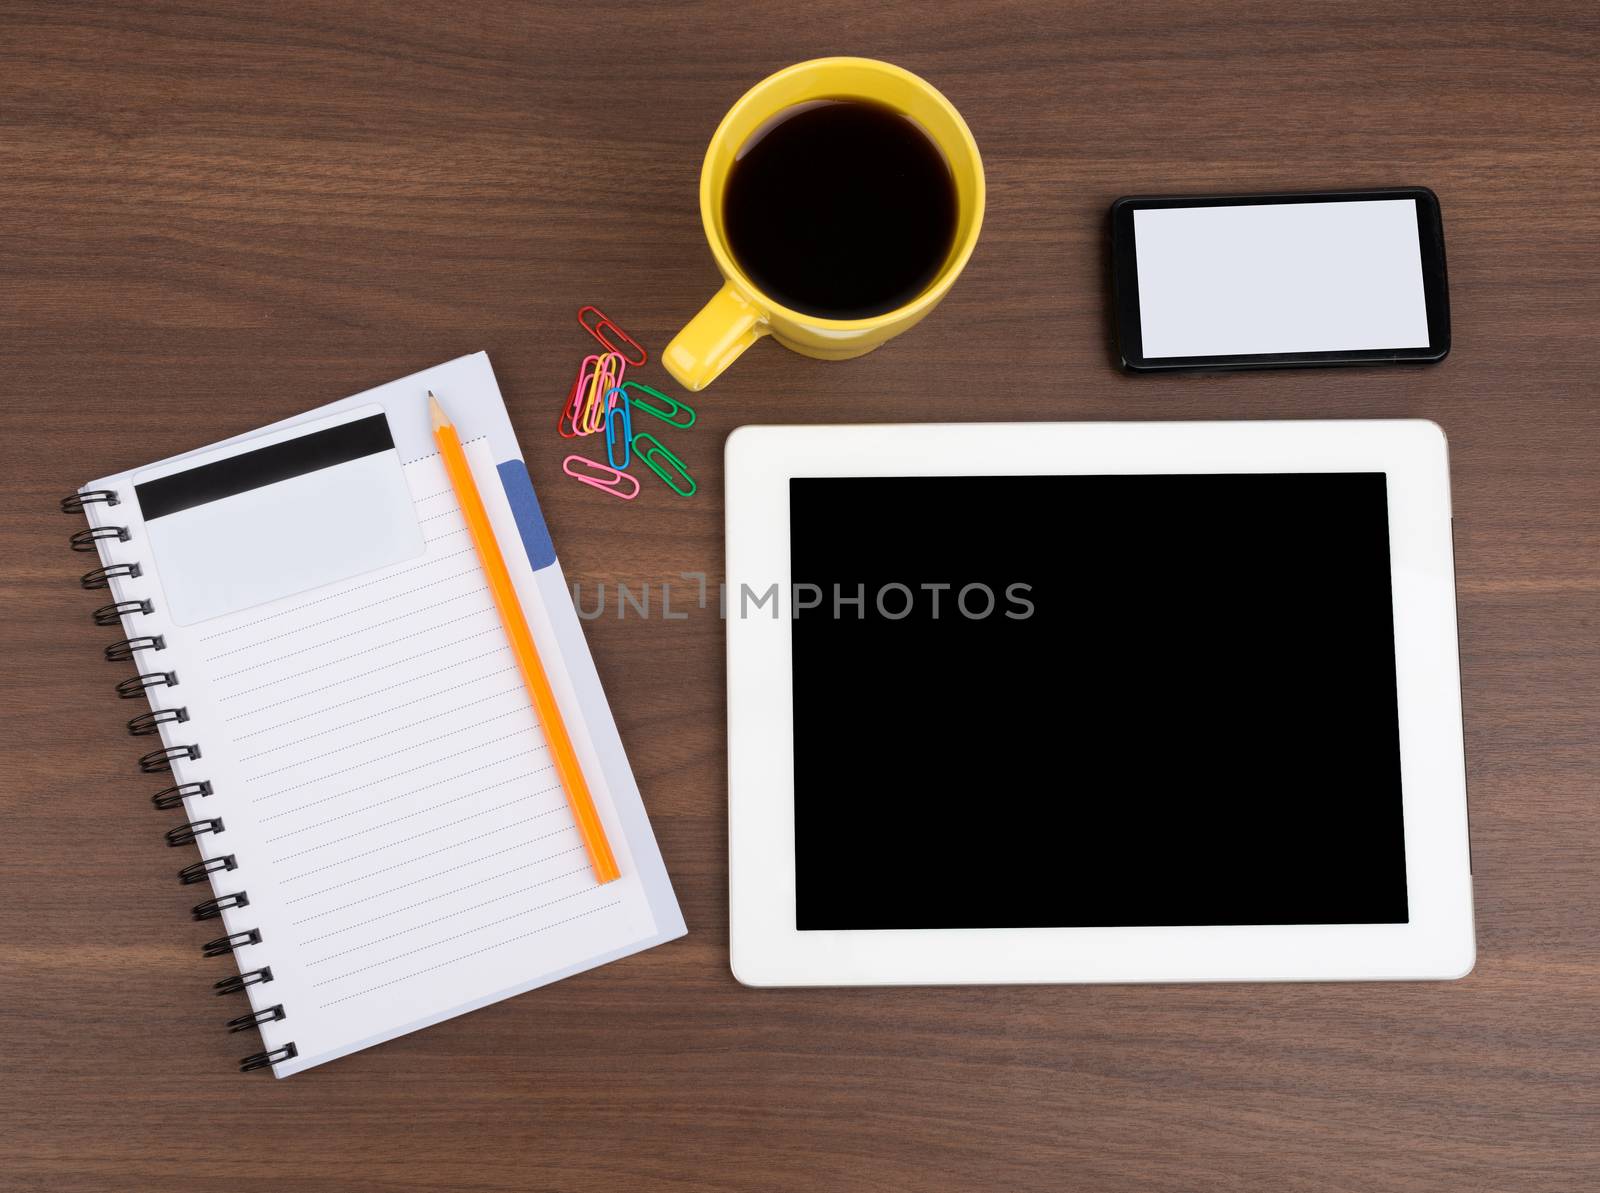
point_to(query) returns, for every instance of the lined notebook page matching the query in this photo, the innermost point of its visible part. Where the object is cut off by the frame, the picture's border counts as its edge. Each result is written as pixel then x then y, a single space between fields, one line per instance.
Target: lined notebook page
pixel 390 797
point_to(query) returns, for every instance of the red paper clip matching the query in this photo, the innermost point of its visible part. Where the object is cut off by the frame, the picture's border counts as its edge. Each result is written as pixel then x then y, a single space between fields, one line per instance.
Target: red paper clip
pixel 605 478
pixel 574 403
pixel 598 330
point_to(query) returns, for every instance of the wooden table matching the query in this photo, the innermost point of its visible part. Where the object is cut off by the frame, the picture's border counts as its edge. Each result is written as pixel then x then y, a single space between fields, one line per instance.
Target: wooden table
pixel 212 216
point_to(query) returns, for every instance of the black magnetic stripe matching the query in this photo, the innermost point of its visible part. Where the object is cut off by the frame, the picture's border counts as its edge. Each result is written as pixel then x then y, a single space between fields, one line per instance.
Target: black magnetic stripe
pixel 265 466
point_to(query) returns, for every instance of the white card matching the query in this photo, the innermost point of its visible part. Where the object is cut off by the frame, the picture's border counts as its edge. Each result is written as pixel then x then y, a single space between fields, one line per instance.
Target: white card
pixel 277 515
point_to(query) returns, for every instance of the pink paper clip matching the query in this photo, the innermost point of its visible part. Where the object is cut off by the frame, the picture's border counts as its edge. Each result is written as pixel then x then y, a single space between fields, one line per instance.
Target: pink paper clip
pixel 608 376
pixel 585 400
pixel 569 411
pixel 598 330
pixel 583 416
pixel 603 477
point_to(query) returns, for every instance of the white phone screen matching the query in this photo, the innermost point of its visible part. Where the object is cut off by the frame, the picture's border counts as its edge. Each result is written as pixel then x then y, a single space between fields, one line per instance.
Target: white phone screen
pixel 1280 277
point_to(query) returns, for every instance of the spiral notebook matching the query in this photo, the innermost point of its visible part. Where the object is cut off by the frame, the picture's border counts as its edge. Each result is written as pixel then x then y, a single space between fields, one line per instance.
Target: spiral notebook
pixel 344 728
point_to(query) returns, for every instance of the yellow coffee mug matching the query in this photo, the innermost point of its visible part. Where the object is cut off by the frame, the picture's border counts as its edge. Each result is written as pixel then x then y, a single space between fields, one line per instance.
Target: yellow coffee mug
pixel 740 314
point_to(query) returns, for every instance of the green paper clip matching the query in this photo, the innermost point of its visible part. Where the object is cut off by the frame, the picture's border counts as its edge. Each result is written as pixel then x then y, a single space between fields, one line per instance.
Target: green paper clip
pixel 657 451
pixel 669 415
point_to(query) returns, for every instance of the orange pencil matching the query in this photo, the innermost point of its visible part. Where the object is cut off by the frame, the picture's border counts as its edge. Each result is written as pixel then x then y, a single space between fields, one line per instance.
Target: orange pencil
pixel 527 655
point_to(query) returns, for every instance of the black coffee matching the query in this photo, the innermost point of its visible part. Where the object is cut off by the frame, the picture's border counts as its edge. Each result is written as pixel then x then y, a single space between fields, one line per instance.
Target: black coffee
pixel 840 208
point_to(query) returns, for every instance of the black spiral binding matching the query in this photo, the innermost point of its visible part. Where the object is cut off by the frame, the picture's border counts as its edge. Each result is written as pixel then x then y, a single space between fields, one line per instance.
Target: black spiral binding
pixel 75 503
pixel 223 945
pixel 149 724
pixel 236 982
pixel 173 797
pixel 113 613
pixel 206 867
pixel 137 685
pixel 265 1060
pixel 211 909
pixel 125 648
pixel 257 1018
pixel 101 577
pixel 187 834
pixel 159 761
pixel 88 540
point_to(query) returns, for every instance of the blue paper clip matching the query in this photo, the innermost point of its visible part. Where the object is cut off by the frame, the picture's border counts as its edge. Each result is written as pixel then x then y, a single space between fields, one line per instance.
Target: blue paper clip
pixel 650 449
pixel 670 414
pixel 619 410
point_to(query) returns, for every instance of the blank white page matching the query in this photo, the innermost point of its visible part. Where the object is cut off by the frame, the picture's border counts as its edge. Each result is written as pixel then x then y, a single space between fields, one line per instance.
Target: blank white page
pixel 390 797
pixel 1280 277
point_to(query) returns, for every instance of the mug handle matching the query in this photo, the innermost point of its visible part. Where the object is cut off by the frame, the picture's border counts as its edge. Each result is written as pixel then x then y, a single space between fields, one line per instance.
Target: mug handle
pixel 713 339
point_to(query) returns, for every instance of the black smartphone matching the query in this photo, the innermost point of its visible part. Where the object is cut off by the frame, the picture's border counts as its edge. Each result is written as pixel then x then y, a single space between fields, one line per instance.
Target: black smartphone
pixel 1279 280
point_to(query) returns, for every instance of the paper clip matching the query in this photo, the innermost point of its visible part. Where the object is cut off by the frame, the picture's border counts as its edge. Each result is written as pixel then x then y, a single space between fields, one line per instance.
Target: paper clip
pixel 574 403
pixel 582 422
pixel 669 415
pixel 598 330
pixel 607 480
pixel 650 449
pixel 619 411
pixel 607 377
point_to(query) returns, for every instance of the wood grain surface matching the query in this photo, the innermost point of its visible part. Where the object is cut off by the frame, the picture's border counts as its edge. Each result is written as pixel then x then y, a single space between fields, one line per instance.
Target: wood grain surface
pixel 217 215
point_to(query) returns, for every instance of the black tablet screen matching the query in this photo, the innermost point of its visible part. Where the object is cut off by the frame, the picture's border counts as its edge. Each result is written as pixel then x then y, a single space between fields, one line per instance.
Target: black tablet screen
pixel 1058 701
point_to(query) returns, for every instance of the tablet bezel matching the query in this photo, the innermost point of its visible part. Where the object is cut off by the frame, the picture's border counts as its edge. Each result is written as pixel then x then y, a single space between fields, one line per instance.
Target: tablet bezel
pixel 1125 283
pixel 766 949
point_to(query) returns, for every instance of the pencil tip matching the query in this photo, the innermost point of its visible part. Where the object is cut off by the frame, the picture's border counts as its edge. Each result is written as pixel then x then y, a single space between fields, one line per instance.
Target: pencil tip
pixel 440 418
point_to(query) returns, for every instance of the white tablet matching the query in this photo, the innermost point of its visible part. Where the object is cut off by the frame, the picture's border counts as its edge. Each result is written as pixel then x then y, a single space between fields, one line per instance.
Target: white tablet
pixel 1094 702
